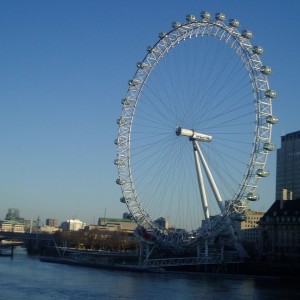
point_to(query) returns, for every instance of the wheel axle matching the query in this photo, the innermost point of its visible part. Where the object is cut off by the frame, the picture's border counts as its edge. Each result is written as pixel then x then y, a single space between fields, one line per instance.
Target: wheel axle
pixel 193 135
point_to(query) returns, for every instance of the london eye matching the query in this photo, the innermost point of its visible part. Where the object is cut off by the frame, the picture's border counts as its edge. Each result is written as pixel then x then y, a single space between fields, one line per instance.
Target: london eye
pixel 195 131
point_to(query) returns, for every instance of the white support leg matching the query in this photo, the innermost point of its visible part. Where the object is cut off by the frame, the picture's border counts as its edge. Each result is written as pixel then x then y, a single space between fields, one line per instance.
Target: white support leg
pixel 211 179
pixel 201 183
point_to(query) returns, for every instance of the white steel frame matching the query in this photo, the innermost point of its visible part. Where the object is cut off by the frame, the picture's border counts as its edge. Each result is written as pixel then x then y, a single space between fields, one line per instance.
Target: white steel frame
pixel 263 107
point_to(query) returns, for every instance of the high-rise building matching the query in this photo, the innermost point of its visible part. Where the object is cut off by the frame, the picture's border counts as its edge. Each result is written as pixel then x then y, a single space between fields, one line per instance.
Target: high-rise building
pixel 288 166
pixel 52 222
pixel 12 214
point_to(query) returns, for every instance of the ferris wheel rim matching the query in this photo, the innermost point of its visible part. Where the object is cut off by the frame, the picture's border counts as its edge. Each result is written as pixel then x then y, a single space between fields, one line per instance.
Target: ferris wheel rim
pixel 232 37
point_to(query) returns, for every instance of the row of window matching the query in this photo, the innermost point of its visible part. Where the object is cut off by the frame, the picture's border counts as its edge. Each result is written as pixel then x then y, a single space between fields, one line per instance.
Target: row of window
pixel 290 137
pixel 283 219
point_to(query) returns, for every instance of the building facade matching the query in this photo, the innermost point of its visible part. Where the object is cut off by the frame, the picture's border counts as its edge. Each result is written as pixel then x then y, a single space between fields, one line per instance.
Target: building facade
pixel 113 224
pixel 52 222
pixel 11 226
pixel 248 230
pixel 281 231
pixel 73 225
pixel 288 166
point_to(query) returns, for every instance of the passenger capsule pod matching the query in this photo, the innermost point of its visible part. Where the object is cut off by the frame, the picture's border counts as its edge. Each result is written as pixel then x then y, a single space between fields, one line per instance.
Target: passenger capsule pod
pixel 176 24
pixel 119 142
pixel 162 35
pixel 271 93
pixel 119 162
pixel 252 197
pixel 130 217
pixel 247 34
pixel 122 200
pixel 190 18
pixel 125 101
pixel 266 70
pixel 205 15
pixel 142 65
pixel 240 218
pixel 150 49
pixel 258 50
pixel 120 181
pixel 271 119
pixel 133 82
pixel 234 22
pixel 269 146
pixel 220 17
pixel 121 122
pixel 262 173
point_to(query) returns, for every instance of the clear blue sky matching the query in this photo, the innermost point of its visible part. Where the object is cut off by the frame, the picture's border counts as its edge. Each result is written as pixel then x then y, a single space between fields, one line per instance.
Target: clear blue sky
pixel 64 70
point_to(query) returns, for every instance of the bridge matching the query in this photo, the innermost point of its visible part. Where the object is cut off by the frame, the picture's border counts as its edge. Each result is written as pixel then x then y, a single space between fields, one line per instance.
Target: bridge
pixel 25 236
pixel 33 241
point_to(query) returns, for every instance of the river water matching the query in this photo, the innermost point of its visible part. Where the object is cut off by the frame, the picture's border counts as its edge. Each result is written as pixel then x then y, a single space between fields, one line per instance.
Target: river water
pixel 26 277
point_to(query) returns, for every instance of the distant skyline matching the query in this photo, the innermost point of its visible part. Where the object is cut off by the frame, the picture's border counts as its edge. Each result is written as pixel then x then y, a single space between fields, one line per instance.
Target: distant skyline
pixel 64 70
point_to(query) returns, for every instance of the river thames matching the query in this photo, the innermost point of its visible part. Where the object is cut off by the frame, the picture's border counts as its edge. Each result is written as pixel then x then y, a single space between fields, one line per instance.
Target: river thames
pixel 25 277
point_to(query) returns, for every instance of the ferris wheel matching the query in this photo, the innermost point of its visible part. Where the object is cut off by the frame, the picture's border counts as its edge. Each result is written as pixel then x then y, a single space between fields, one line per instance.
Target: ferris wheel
pixel 195 131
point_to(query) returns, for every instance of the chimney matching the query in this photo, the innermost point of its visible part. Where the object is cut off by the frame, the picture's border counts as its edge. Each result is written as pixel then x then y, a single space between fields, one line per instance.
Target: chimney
pixel 284 197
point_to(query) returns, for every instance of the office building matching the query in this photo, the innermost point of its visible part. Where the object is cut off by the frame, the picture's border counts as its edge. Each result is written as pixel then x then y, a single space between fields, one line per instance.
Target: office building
pixel 73 225
pixel 52 222
pixel 114 224
pixel 248 229
pixel 281 231
pixel 288 167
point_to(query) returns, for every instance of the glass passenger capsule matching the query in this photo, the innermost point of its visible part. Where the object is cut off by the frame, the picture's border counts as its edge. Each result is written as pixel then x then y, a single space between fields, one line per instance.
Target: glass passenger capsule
pixel 262 173
pixel 205 15
pixel 133 82
pixel 119 162
pixel 247 34
pixel 272 119
pixel 176 24
pixel 162 35
pixel 234 22
pixel 269 146
pixel 142 65
pixel 190 18
pixel 119 142
pixel 240 218
pixel 125 101
pixel 120 181
pixel 121 121
pixel 252 197
pixel 266 70
pixel 151 49
pixel 122 200
pixel 271 93
pixel 220 16
pixel 258 50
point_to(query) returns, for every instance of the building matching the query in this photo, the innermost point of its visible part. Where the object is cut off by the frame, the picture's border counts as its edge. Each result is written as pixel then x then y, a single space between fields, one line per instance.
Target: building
pixel 73 225
pixel 281 231
pixel 11 226
pixel 248 230
pixel 52 222
pixel 162 222
pixel 288 165
pixel 12 214
pixel 48 229
pixel 113 224
pixel 13 222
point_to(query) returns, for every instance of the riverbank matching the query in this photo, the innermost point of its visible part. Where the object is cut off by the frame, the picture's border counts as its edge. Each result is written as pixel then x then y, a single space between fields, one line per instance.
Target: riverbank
pixel 130 262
